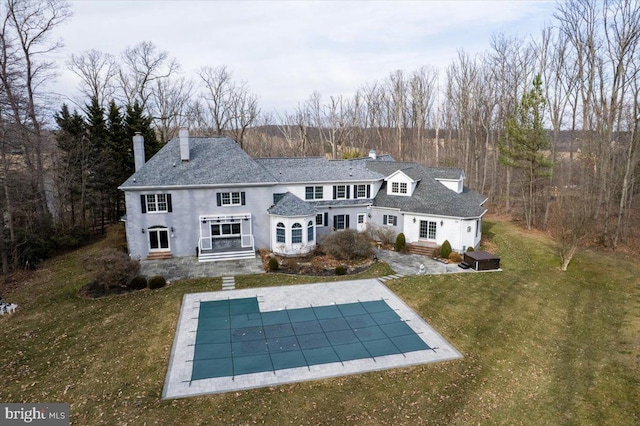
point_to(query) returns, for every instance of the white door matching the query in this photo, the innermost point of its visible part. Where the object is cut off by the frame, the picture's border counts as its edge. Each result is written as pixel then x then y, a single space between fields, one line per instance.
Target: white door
pixel 362 222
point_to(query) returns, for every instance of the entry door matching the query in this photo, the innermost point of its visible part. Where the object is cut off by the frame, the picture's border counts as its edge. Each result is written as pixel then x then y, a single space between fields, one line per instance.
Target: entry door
pixel 428 230
pixel 362 222
pixel 158 239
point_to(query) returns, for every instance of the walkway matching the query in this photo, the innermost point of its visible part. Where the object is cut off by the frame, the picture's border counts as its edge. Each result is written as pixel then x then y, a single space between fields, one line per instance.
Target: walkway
pixel 188 267
pixel 409 264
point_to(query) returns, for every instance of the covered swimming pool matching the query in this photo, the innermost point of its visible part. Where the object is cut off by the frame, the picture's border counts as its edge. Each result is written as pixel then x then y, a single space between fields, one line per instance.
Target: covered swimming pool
pixel 251 338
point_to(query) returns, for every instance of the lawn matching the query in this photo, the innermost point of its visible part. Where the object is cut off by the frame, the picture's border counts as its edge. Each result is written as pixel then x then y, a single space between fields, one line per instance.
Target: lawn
pixel 540 346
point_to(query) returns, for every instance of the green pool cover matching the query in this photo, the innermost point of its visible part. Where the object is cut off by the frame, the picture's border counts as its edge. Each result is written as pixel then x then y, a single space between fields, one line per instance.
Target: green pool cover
pixel 235 338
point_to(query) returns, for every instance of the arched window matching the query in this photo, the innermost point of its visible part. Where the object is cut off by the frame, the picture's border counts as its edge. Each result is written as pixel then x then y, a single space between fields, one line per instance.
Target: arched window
pixel 310 231
pixel 280 234
pixel 296 233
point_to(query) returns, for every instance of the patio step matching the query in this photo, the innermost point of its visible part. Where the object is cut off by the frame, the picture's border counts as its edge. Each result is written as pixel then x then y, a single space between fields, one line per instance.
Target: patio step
pixel 422 249
pixel 228 283
pixel 229 255
pixel 159 255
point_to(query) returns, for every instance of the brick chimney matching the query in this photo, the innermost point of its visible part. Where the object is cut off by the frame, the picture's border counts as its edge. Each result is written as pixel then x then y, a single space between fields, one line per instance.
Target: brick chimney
pixel 138 151
pixel 184 144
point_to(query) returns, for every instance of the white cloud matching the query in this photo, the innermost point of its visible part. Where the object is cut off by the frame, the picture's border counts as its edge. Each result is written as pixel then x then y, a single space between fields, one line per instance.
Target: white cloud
pixel 286 50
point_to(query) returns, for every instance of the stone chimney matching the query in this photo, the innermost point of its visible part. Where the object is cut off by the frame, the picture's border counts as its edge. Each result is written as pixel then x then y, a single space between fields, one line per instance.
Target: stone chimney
pixel 184 144
pixel 372 154
pixel 138 151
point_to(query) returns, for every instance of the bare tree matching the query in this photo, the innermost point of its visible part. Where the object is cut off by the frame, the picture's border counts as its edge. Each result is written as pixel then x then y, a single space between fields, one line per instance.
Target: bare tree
pixel 143 65
pixel 97 72
pixel 26 28
pixel 171 97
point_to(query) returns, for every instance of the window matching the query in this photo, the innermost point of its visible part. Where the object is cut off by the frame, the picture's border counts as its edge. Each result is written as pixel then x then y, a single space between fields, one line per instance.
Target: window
pixel 319 220
pixel 280 237
pixel 230 198
pixel 361 191
pixel 155 203
pixel 296 233
pixel 399 187
pixel 428 229
pixel 360 219
pixel 340 221
pixel 225 229
pixel 310 231
pixel 341 191
pixel 389 219
pixel 313 192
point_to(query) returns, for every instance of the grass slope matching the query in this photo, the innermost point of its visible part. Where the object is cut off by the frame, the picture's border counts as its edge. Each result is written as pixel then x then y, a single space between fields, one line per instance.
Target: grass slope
pixel 540 347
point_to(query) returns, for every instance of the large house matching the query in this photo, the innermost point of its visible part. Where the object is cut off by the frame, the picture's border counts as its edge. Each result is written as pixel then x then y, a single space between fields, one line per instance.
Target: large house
pixel 208 198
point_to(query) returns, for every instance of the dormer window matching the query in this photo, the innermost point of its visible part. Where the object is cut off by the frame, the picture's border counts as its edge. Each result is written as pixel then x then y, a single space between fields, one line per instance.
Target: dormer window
pixel 399 187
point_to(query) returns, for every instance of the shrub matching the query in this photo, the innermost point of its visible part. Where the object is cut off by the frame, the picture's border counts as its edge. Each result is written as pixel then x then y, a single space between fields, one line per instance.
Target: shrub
pixel 385 234
pixel 341 270
pixel 436 251
pixel 455 257
pixel 470 249
pixel 291 264
pixel 347 244
pixel 111 268
pixel 156 281
pixel 273 264
pixel 445 250
pixel 401 242
pixel 138 283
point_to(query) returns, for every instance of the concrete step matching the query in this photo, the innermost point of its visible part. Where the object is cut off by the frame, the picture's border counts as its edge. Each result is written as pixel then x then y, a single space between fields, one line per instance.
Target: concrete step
pixel 228 283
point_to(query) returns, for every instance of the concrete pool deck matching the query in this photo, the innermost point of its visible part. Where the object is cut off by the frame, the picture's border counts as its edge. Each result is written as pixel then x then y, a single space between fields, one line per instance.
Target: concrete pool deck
pixel 178 382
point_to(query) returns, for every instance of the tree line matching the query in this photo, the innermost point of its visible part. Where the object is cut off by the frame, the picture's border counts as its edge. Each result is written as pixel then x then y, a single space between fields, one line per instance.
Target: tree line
pixel 546 126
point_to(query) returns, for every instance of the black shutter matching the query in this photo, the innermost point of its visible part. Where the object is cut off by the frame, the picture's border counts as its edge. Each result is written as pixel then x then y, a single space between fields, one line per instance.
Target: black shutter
pixel 169 206
pixel 395 221
pixel 348 188
pixel 143 203
pixel 335 192
pixel 326 219
pixel 243 200
pixel 384 219
pixel 355 191
pixel 335 222
pixel 218 199
pixel 368 191
pixel 346 221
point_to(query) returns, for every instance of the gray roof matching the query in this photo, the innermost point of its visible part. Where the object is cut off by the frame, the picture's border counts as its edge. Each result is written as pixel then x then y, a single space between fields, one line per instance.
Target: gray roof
pixel 317 169
pixel 430 196
pixel 290 205
pixel 213 161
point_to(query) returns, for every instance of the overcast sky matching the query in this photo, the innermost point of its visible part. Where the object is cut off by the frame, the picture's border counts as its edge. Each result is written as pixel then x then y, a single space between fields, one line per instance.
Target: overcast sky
pixel 286 50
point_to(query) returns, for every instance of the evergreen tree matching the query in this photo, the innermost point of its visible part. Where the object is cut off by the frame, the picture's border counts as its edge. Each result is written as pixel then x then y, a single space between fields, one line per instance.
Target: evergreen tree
pixel 101 162
pixel 72 166
pixel 120 151
pixel 136 121
pixel 524 147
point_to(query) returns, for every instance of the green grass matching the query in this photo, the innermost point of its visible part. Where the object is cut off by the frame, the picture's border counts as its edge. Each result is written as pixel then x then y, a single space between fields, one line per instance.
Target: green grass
pixel 540 346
